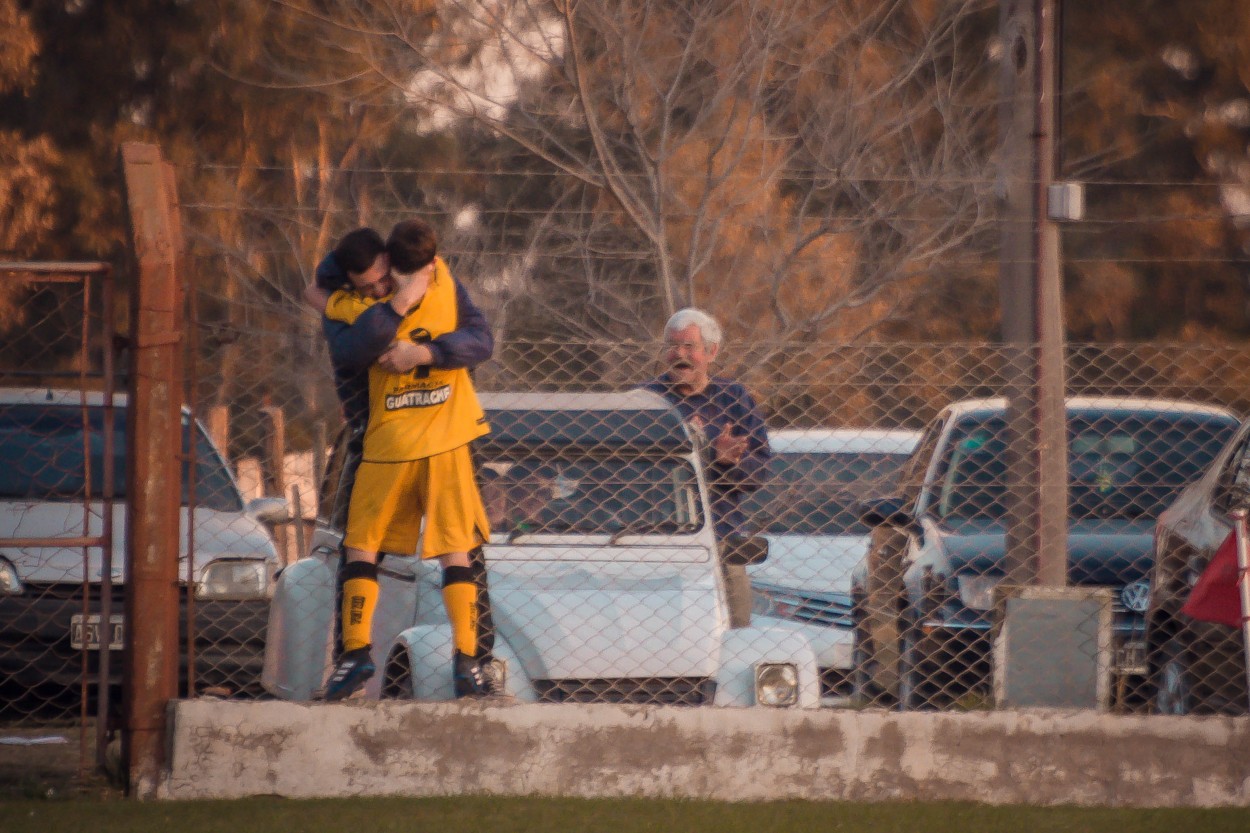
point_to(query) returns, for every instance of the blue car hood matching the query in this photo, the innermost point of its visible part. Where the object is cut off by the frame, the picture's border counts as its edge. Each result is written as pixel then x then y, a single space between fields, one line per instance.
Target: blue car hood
pixel 1109 551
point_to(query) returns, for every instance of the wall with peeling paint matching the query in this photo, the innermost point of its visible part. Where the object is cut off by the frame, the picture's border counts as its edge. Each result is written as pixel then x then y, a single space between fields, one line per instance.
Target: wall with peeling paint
pixel 227 750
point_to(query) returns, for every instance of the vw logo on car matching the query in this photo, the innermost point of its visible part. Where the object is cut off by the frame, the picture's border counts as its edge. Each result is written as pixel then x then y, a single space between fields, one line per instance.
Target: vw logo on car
pixel 1136 595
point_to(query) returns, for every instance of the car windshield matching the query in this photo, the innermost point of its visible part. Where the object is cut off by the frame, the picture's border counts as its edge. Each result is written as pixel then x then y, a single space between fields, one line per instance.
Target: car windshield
pixel 590 495
pixel 1120 465
pixel 43 457
pixel 817 493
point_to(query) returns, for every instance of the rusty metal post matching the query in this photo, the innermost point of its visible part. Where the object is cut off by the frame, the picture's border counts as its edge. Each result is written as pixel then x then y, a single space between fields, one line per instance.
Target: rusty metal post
pixel 218 425
pixel 1243 581
pixel 154 436
pixel 273 470
pixel 106 521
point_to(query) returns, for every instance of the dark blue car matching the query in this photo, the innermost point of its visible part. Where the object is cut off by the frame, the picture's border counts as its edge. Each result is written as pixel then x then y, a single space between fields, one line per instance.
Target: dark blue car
pixel 929 643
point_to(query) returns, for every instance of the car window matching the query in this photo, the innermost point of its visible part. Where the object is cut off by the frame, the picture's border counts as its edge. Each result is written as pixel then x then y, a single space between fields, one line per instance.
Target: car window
pixel 1136 466
pixel 1120 464
pixel 974 484
pixel 590 495
pixel 55 453
pixel 819 493
pixel 214 486
pixel 911 478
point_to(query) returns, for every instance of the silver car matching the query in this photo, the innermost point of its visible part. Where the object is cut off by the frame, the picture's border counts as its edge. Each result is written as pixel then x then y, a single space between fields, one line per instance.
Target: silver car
pixel 52 465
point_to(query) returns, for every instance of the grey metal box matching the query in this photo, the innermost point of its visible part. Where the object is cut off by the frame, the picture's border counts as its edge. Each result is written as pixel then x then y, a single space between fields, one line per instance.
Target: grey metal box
pixel 1052 647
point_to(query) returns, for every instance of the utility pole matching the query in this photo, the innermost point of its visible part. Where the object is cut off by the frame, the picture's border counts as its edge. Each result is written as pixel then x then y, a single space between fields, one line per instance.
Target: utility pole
pixel 153 449
pixel 1031 296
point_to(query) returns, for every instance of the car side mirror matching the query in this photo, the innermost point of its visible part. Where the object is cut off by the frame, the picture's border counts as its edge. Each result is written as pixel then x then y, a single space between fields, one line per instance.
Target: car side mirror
pixel 886 511
pixel 269 510
pixel 741 550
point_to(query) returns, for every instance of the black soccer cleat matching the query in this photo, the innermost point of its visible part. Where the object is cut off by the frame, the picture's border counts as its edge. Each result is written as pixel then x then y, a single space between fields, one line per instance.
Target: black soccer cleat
pixel 353 671
pixel 469 678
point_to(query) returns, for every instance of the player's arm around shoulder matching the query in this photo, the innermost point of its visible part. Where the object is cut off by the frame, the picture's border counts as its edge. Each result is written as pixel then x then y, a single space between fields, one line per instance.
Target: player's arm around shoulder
pixel 357 330
pixel 471 343
pixel 346 306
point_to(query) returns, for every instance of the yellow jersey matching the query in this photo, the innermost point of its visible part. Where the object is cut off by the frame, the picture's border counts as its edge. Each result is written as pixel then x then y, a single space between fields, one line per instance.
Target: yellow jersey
pixel 427 410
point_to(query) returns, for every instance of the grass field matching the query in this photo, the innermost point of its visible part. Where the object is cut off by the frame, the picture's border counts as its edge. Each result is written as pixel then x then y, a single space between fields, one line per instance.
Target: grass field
pixel 505 815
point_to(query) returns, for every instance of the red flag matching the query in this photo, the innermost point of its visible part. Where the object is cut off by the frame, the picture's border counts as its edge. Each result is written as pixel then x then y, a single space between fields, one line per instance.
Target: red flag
pixel 1216 597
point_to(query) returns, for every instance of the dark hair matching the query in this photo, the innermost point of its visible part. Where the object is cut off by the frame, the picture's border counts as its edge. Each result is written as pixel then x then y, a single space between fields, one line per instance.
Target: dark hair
pixel 356 252
pixel 412 245
pixel 358 249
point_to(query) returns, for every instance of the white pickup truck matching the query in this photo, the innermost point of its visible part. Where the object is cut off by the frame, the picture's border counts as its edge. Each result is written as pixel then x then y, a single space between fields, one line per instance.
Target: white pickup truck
pixel 606 581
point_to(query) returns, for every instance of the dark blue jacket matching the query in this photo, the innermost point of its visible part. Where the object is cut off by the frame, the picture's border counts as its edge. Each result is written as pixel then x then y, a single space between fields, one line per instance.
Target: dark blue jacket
pixel 355 347
pixel 725 401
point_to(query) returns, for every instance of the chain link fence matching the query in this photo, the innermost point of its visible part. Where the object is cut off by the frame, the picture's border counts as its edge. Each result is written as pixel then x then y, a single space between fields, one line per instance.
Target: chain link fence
pixel 61 483
pixel 603 589
pixel 871 568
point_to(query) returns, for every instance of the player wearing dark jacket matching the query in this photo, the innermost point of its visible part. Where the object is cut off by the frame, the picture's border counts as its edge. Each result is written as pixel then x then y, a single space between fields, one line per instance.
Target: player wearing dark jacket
pixel 401 366
pixel 356 346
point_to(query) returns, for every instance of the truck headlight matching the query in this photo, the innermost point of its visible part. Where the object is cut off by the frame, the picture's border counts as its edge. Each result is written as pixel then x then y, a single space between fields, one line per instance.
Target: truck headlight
pixel 776 684
pixel 977 592
pixel 10 584
pixel 233 579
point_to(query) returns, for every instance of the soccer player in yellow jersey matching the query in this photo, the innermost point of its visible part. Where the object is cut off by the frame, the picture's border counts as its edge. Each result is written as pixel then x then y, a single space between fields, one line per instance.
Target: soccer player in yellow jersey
pixel 423 413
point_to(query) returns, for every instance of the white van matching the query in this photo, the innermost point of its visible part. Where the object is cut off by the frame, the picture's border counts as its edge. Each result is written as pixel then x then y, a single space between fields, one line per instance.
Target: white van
pixel 606 580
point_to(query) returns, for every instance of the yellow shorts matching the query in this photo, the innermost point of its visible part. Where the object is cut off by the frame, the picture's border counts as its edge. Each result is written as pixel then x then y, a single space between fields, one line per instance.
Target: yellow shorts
pixel 389 500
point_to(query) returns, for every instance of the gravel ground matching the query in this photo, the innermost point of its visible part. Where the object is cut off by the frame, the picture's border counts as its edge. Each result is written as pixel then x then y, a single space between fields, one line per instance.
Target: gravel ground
pixel 52 761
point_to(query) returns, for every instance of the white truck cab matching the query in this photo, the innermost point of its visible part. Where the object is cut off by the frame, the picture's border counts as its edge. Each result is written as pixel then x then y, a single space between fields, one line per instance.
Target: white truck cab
pixel 606 580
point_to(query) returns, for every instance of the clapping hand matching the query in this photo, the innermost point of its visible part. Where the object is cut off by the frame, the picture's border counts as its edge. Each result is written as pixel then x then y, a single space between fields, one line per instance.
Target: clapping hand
pixel 729 447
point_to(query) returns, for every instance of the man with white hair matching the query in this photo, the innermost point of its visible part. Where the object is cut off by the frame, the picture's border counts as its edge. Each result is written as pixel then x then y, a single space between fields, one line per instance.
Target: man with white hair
pixel 722 408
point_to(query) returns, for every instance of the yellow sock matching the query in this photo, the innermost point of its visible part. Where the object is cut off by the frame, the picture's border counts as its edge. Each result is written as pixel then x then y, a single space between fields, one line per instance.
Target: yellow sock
pixel 360 597
pixel 460 599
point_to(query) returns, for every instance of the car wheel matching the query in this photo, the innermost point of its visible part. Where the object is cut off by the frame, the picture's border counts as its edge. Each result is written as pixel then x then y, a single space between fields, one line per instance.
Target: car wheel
pixel 1174 687
pixel 397 682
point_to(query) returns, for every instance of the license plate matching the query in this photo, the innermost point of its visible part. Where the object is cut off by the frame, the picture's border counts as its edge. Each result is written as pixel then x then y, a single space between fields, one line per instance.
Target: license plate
pixel 84 632
pixel 1130 658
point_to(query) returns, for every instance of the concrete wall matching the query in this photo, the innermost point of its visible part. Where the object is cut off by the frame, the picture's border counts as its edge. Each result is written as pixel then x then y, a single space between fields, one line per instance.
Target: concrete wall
pixel 226 750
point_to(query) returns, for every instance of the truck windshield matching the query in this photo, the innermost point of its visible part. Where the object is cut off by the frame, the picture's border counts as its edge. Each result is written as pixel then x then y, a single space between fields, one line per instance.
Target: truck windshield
pixel 586 495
